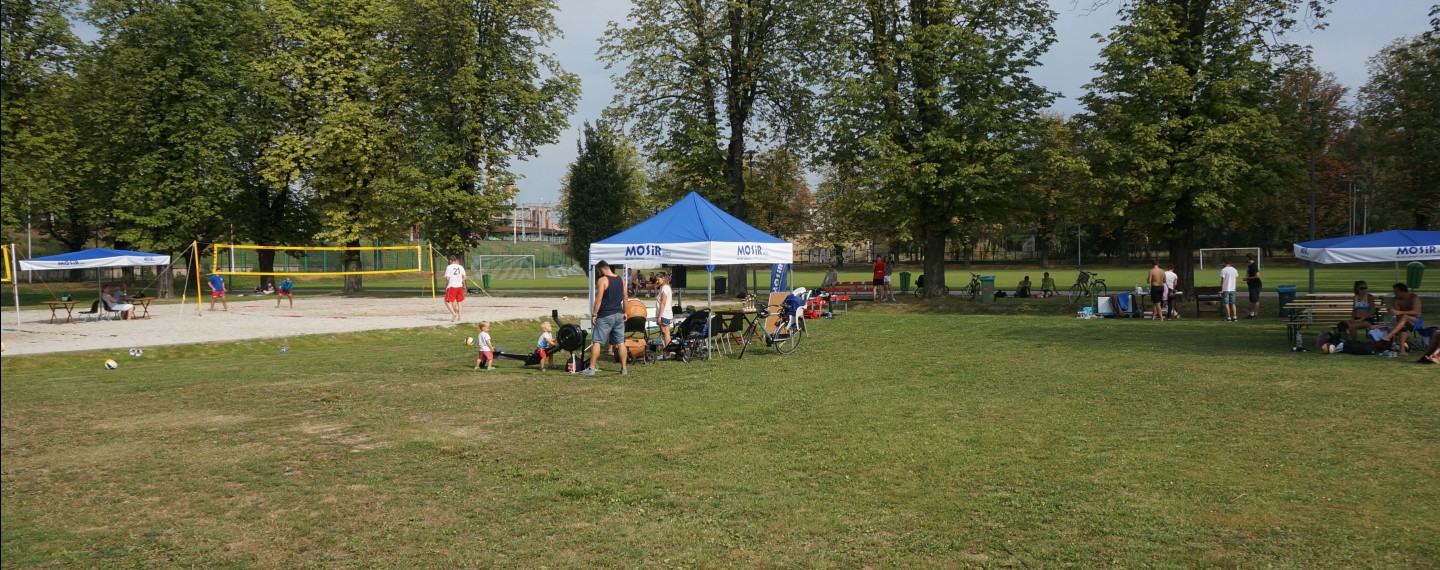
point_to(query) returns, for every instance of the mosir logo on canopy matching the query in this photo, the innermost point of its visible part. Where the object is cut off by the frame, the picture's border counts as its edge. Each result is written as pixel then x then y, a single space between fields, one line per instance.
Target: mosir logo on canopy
pixel 646 250
pixel 1416 250
pixel 749 251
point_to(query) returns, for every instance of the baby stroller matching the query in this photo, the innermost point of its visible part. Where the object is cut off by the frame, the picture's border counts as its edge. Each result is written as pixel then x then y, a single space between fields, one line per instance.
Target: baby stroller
pixel 637 333
pixel 687 341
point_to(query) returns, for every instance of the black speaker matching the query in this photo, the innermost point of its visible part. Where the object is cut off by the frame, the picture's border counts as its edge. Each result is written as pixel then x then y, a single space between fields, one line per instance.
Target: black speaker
pixel 677 276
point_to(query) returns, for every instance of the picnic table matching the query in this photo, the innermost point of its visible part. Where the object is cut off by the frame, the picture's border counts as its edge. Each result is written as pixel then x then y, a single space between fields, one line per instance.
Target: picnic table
pixel 69 307
pixel 1328 308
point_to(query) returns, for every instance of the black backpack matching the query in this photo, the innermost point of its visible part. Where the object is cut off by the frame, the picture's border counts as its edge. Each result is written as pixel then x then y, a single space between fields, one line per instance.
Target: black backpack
pixel 1360 347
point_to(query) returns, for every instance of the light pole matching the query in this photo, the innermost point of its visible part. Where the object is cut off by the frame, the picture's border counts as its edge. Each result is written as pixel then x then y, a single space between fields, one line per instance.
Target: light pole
pixel 1352 207
pixel 1314 149
pixel 1364 210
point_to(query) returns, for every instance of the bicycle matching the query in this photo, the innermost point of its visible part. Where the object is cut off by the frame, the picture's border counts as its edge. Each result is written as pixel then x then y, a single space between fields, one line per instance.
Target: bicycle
pixel 1085 286
pixel 972 290
pixel 921 291
pixel 789 331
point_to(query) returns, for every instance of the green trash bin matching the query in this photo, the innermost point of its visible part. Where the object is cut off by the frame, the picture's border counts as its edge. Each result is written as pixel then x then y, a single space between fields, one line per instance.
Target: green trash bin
pixel 720 284
pixel 987 288
pixel 485 281
pixel 1413 272
pixel 904 281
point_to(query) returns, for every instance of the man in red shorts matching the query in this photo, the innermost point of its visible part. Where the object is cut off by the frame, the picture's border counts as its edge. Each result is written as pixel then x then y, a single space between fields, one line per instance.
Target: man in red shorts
pixel 454 287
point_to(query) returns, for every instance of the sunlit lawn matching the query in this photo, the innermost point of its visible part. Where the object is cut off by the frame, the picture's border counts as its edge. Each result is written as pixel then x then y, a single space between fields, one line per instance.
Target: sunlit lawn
pixel 899 436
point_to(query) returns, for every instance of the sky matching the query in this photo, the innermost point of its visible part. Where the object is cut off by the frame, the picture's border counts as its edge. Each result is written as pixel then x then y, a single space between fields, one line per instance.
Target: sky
pixel 1356 30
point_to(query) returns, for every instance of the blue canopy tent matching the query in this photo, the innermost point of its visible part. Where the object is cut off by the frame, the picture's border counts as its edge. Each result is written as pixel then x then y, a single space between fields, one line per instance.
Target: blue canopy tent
pixel 1394 245
pixel 691 232
pixel 96 258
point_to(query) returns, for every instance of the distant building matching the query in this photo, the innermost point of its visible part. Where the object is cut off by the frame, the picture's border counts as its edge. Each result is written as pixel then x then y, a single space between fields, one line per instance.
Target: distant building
pixel 528 222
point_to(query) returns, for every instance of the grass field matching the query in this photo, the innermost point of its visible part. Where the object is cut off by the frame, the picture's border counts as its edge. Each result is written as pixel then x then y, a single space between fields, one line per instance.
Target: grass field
pixel 895 437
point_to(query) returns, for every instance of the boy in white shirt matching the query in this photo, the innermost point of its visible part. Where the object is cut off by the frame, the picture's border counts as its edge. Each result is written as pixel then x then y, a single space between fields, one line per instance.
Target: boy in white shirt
pixel 1228 277
pixel 1172 280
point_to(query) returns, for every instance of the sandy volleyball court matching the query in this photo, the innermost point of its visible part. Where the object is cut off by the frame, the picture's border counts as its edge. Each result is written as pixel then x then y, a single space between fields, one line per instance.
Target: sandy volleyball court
pixel 257 317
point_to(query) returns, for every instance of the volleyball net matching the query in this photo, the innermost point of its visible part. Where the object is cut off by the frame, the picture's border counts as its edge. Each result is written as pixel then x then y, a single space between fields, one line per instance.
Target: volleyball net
pixel 238 259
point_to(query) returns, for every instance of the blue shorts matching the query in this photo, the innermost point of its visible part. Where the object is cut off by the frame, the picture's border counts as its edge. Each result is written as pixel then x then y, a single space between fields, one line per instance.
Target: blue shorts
pixel 664 322
pixel 610 329
pixel 1227 298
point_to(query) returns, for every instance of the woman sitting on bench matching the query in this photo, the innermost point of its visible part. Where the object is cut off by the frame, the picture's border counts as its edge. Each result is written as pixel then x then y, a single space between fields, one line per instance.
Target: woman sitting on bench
pixel 1363 315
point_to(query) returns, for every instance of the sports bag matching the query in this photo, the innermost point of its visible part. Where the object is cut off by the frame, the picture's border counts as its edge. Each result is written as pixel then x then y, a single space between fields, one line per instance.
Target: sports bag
pixel 1359 347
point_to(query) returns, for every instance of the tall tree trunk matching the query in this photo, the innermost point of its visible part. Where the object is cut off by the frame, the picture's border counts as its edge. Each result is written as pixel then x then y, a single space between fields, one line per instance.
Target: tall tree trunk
pixel 353 283
pixel 1042 245
pixel 934 264
pixel 265 258
pixel 1180 249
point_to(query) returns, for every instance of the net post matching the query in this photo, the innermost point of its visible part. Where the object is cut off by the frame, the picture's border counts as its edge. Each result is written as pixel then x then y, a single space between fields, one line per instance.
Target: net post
pixel 195 249
pixel 431 246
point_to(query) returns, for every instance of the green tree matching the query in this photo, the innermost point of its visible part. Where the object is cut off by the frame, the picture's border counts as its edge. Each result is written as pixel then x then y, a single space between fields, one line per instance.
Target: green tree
pixel 602 190
pixel 1400 108
pixel 163 87
pixel 478 93
pixel 846 211
pixel 355 177
pixel 1057 195
pixel 707 79
pixel 1309 107
pixel 1178 113
pixel 39 174
pixel 780 202
pixel 929 100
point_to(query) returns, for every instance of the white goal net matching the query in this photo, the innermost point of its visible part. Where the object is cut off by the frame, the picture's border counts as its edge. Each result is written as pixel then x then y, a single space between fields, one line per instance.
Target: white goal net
pixel 500 267
pixel 1214 257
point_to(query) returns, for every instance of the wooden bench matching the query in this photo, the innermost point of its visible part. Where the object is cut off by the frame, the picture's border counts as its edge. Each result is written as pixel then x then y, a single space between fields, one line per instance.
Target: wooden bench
pixel 1203 296
pixel 853 290
pixel 1322 310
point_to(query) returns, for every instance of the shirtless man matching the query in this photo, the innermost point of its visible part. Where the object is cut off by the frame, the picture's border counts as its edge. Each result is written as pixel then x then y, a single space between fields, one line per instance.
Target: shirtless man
pixel 1156 279
pixel 1406 310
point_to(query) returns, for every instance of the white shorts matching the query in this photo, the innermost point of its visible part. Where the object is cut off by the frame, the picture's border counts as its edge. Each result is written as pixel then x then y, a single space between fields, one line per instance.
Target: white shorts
pixel 887 279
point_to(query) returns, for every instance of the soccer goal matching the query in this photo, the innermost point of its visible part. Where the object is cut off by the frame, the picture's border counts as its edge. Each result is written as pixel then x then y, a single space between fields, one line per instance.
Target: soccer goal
pixel 509 267
pixel 235 259
pixel 1216 256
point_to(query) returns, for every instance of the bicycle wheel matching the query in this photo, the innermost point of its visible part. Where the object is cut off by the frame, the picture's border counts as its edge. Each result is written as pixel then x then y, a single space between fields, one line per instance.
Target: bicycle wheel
pixel 1100 290
pixel 945 291
pixel 919 292
pixel 971 291
pixel 1076 292
pixel 788 339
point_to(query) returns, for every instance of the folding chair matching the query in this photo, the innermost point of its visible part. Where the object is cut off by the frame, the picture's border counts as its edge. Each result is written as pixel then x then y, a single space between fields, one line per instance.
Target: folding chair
pixel 109 310
pixel 94 311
